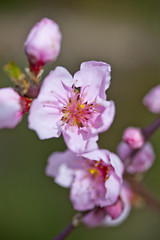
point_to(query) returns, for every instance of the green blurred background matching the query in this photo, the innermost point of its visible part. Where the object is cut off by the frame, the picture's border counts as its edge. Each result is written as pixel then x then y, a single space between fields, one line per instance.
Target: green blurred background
pixel 125 34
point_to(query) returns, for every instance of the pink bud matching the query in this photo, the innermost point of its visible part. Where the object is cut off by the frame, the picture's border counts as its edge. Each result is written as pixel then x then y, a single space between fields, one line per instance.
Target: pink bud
pixel 152 100
pixel 133 136
pixel 43 42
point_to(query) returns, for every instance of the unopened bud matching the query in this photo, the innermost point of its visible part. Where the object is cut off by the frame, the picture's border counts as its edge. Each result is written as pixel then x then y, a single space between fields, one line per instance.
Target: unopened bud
pixel 133 136
pixel 43 43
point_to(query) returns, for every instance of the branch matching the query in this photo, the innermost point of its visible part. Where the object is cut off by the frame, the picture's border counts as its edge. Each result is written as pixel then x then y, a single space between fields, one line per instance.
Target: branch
pixel 149 198
pixel 65 232
pixel 148 131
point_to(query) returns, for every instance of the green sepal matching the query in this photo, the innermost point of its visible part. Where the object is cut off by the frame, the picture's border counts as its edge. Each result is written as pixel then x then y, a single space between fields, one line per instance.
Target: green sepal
pixel 17 76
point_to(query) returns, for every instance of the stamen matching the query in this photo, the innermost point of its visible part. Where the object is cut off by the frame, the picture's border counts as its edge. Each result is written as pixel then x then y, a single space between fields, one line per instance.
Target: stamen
pixel 77 112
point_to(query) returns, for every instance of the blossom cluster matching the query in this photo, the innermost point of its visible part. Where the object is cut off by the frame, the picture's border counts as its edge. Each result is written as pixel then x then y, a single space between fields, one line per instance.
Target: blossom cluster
pixel 77 107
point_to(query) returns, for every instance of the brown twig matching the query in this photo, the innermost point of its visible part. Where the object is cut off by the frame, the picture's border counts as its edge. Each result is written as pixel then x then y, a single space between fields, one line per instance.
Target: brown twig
pixel 149 198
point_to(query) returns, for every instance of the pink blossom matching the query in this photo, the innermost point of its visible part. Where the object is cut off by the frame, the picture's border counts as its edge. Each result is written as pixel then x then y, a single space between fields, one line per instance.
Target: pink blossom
pixel 95 178
pixel 152 100
pixel 140 162
pixel 133 136
pixel 12 107
pixel 111 215
pixel 74 106
pixel 43 42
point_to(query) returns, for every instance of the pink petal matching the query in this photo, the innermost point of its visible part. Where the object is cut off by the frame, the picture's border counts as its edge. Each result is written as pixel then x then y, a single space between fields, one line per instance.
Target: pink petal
pixel 98 155
pixel 123 150
pixel 54 85
pixel 117 164
pixel 106 116
pixel 86 192
pixel 60 166
pixel 94 218
pixel 95 78
pixel 78 140
pixel 45 111
pixel 113 186
pixel 44 120
pixel 108 221
pixel 115 210
pixel 143 160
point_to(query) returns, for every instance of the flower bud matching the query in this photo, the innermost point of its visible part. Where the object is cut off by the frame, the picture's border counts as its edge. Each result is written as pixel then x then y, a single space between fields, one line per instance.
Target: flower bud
pixel 133 136
pixel 10 108
pixel 152 100
pixel 140 162
pixel 43 43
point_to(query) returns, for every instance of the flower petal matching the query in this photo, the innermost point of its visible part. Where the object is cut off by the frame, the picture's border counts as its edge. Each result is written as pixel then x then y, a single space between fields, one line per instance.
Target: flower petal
pixel 106 116
pixel 78 140
pixel 61 167
pixel 45 111
pixel 108 221
pixel 94 77
pixel 113 186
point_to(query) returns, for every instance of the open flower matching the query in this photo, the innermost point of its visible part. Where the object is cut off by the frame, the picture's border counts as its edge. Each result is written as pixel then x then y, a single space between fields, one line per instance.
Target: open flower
pixel 74 106
pixel 43 42
pixel 12 107
pixel 95 178
pixel 140 162
pixel 111 215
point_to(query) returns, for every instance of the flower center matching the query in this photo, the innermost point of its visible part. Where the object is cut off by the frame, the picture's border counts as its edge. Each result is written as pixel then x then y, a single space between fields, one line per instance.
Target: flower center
pixel 99 170
pixel 77 112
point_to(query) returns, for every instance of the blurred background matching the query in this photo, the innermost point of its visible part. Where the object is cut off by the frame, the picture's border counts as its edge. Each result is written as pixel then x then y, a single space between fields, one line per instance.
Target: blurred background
pixel 125 34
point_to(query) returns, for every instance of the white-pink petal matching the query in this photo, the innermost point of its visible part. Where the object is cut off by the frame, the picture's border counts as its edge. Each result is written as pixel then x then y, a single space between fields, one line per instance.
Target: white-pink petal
pixel 54 86
pixel 79 141
pixel 108 221
pixel 117 164
pixel 44 120
pixel 95 79
pixel 105 119
pixel 61 166
pixel 113 187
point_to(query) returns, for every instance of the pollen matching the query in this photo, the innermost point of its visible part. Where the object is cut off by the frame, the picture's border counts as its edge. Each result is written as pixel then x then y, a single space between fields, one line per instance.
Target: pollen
pixel 93 171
